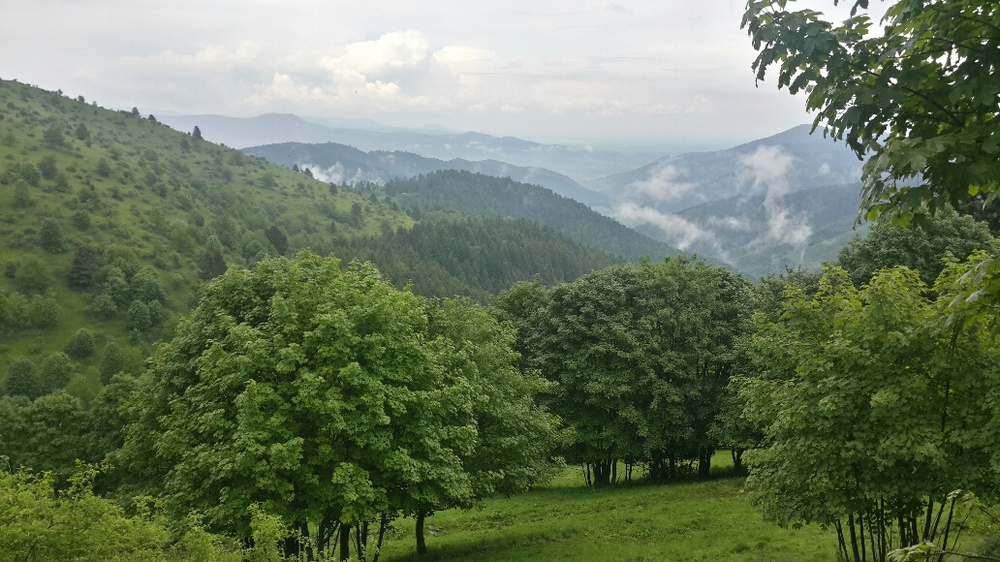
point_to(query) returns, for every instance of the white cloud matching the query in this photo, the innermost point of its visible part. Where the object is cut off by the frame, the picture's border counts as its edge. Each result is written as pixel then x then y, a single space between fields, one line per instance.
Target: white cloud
pixel 661 184
pixel 766 171
pixel 678 231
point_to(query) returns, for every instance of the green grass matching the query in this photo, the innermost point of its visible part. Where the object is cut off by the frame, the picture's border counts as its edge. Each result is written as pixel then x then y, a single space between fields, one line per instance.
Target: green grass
pixel 688 521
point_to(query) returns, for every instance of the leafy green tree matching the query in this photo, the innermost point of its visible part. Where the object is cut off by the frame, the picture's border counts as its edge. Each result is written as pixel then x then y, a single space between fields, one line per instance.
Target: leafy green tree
pixel 641 354
pixel 213 263
pixel 81 132
pixel 32 277
pixel 50 236
pixel 30 173
pixel 45 311
pixel 113 361
pixel 516 436
pixel 82 345
pixel 196 133
pixel 873 412
pixel 84 267
pixel 312 391
pixel 923 246
pixel 22 194
pixel 137 318
pixel 56 370
pixel 22 379
pixel 103 307
pixel 917 97
pixel 277 237
pixel 53 136
pixel 47 167
pixel 145 286
pixel 103 168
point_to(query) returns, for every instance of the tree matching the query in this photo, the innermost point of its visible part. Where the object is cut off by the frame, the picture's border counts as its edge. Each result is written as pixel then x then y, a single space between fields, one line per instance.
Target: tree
pixel 641 354
pixel 917 99
pixel 923 246
pixel 50 236
pixel 313 391
pixel 32 277
pixel 84 267
pixel 22 379
pixel 47 167
pixel 56 370
pixel 113 361
pixel 213 263
pixel 196 133
pixel 82 345
pixel 53 136
pixel 873 411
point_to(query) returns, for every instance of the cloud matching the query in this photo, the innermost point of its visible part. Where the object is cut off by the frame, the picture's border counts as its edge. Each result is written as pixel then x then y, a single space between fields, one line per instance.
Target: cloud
pixel 766 171
pixel 661 184
pixel 339 174
pixel 678 231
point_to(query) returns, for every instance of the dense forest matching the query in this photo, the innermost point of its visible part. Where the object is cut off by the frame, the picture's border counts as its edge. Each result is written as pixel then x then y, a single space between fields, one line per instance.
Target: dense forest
pixel 203 360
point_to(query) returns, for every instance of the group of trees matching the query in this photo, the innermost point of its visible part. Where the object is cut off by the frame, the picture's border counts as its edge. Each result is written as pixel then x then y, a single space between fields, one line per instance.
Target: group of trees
pixel 640 355
pixel 334 401
pixel 877 404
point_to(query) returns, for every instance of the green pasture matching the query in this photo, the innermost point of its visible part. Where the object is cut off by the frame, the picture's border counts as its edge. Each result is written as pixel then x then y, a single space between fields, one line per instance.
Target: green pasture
pixel 684 521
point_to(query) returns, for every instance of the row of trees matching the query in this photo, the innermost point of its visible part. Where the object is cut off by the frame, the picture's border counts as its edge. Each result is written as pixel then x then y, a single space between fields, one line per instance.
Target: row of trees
pixel 334 401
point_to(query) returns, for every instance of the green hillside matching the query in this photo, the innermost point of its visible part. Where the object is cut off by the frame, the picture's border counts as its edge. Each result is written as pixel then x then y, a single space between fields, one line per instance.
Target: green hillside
pixel 450 253
pixel 479 194
pixel 109 221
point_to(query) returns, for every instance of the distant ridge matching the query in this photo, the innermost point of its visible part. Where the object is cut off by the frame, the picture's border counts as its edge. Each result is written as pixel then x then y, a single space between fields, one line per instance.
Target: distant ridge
pixel 340 163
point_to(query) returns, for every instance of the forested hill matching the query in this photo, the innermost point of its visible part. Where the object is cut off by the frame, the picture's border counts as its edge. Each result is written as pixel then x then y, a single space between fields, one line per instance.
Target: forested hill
pixel 345 164
pixel 475 256
pixel 110 221
pixel 503 197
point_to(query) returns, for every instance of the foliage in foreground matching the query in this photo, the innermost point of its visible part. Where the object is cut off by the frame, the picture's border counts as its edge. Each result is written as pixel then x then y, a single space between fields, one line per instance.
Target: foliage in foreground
pixel 875 410
pixel 331 400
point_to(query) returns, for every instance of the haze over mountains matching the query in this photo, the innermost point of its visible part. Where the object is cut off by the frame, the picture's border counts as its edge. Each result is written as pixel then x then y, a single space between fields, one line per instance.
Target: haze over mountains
pixel 740 206
pixel 578 162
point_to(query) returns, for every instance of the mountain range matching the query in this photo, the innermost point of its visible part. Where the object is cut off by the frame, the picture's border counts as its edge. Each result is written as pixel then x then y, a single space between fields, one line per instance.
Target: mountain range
pixel 578 162
pixel 338 163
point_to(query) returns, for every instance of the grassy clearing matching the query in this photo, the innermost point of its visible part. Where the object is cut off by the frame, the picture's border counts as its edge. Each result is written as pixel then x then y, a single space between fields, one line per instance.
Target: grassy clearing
pixel 565 521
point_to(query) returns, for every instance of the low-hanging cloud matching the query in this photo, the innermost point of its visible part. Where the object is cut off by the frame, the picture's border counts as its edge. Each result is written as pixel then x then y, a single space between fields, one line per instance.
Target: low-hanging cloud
pixel 661 184
pixel 678 231
pixel 339 174
pixel 766 171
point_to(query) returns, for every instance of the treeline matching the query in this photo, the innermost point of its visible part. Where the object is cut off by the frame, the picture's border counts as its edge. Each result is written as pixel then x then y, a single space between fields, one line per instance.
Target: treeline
pixel 502 197
pixel 448 254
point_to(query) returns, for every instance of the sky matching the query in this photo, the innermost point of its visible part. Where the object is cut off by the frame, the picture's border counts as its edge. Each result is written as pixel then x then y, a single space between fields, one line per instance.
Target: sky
pixel 650 72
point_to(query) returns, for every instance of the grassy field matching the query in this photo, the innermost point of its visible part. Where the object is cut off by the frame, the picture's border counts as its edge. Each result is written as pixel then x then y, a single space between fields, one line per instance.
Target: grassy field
pixel 708 521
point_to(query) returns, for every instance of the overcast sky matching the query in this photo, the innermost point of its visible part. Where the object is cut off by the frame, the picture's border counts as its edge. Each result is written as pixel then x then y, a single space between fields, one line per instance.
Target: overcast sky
pixel 674 72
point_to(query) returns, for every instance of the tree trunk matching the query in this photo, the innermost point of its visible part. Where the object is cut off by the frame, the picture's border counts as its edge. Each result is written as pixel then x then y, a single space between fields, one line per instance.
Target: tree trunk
pixel 345 541
pixel 421 545
pixel 737 460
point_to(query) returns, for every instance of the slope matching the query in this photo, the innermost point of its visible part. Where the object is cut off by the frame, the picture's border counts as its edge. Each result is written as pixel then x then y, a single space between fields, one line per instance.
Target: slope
pixel 501 197
pixel 109 222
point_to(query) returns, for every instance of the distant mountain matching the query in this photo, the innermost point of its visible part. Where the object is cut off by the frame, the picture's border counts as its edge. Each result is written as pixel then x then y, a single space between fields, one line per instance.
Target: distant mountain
pixel 790 161
pixel 503 197
pixel 577 162
pixel 757 235
pixel 344 164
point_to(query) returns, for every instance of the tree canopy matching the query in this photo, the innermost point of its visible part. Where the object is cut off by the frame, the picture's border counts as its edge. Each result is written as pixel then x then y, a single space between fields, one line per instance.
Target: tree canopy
pixel 917 98
pixel 323 396
pixel 872 410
